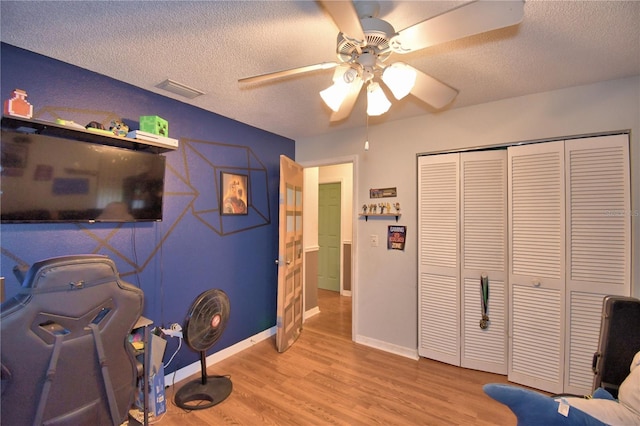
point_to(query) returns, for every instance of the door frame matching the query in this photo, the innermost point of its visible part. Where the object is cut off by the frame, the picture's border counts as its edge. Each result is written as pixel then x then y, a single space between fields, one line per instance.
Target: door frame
pixel 353 160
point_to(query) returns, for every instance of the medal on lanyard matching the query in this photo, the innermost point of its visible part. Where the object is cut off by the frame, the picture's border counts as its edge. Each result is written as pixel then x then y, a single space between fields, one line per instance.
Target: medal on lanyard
pixel 484 291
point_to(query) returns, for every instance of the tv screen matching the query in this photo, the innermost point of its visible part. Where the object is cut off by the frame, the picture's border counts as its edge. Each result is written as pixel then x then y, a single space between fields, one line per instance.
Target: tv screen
pixel 51 179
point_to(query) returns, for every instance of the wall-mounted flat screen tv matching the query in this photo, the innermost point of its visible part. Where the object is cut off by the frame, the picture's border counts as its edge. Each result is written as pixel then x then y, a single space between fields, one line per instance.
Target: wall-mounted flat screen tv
pixel 52 179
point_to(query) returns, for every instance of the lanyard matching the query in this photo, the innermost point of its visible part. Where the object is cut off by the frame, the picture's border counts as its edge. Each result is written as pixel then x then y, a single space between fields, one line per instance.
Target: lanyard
pixel 484 291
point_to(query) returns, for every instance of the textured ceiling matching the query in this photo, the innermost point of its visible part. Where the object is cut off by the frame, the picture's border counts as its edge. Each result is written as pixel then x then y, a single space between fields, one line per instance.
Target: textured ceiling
pixel 209 45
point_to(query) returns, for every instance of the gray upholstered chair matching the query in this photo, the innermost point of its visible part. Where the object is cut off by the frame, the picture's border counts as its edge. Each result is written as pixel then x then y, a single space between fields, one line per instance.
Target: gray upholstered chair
pixel 66 358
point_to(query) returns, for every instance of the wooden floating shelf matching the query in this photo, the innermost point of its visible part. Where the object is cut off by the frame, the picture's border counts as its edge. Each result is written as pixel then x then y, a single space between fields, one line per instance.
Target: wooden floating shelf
pixel 57 130
pixel 367 215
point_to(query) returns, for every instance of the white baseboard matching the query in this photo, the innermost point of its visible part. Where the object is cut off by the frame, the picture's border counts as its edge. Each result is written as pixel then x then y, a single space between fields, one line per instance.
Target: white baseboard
pixel 388 347
pixel 311 313
pixel 194 368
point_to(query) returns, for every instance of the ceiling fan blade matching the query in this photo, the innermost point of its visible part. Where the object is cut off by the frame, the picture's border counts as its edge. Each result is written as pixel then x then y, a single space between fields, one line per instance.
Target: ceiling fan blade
pixel 349 102
pixel 289 72
pixel 467 20
pixel 432 91
pixel 345 16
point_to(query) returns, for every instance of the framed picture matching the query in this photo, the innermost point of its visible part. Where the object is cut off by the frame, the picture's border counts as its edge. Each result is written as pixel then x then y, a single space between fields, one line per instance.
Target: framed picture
pixel 233 193
pixel 383 192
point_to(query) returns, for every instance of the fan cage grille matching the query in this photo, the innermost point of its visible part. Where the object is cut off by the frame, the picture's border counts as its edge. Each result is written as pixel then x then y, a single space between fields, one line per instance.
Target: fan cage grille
pixel 200 333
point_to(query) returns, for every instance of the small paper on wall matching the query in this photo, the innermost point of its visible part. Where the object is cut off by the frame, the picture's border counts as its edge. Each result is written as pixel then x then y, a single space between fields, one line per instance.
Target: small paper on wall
pixel 396 237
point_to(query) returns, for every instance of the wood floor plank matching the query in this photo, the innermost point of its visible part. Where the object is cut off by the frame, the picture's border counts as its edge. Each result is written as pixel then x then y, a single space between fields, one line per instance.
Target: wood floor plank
pixel 327 379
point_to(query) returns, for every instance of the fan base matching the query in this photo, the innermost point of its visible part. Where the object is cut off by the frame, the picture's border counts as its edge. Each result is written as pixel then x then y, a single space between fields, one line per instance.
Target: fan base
pixel 197 396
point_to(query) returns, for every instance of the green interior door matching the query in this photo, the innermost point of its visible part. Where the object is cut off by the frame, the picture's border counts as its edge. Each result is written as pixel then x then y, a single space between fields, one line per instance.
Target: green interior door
pixel 329 236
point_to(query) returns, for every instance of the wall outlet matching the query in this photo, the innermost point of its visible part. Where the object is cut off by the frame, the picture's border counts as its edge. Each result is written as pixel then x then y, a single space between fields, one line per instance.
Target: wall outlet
pixel 374 240
pixel 175 330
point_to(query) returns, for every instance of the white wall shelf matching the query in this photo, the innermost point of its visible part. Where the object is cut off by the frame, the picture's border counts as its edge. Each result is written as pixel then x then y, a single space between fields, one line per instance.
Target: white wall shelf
pixel 66 132
pixel 368 215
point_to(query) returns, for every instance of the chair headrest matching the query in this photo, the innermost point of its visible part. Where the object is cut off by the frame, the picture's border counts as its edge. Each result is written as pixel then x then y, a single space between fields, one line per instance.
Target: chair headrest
pixel 64 271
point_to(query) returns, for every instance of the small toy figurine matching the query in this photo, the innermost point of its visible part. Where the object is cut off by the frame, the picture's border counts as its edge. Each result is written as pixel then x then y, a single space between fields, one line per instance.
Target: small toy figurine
pixel 382 206
pixel 364 209
pixel 118 128
pixel 94 125
pixel 154 124
pixel 17 105
pixel 397 207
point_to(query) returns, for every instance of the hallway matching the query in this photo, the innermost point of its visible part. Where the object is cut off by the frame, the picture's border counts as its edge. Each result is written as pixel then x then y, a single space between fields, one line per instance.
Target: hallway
pixel 335 314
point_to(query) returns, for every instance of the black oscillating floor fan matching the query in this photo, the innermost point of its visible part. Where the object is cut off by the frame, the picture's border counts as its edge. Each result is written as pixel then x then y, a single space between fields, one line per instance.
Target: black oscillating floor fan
pixel 203 326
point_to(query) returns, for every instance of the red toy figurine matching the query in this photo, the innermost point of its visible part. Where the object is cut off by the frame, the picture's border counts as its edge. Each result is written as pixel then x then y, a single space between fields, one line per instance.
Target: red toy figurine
pixel 17 105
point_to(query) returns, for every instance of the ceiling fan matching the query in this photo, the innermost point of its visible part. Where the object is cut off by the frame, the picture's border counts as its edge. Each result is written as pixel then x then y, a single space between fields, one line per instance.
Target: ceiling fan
pixel 366 42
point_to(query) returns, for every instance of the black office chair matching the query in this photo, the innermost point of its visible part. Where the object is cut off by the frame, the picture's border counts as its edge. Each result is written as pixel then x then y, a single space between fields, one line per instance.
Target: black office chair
pixel 66 358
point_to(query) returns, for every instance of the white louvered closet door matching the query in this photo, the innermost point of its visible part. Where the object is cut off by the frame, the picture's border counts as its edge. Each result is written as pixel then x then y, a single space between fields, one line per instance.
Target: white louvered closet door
pixel 598 245
pixel 438 268
pixel 537 268
pixel 483 251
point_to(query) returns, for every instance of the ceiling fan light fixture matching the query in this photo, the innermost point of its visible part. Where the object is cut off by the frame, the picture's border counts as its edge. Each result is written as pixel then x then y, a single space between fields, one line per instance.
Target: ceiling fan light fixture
pixel 399 78
pixel 377 102
pixel 365 42
pixel 335 94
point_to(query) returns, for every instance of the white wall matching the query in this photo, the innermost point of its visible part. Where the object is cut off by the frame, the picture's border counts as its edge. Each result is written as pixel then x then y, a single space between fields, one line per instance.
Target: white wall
pixel 386 280
pixel 310 209
pixel 310 240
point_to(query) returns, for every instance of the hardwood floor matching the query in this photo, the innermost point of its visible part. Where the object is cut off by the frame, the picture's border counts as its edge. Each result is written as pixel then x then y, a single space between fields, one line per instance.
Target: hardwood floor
pixel 325 378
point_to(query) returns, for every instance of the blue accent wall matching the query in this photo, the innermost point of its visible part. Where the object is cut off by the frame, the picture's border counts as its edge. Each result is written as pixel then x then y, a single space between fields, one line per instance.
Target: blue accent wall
pixel 194 248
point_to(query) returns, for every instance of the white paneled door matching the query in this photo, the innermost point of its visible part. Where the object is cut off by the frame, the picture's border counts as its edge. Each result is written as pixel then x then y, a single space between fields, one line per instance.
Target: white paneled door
pixel 570 227
pixel 532 237
pixel 462 238
pixel 438 267
pixel 483 253
pixel 536 273
pixel 598 245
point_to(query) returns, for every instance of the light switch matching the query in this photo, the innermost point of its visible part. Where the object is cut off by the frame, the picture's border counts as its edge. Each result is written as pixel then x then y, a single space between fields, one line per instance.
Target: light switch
pixel 374 240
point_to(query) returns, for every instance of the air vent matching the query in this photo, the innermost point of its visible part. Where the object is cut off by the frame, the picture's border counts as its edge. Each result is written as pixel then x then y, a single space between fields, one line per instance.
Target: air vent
pixel 179 89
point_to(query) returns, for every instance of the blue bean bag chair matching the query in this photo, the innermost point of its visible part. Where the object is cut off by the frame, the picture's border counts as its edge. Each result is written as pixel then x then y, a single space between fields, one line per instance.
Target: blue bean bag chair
pixel 533 408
